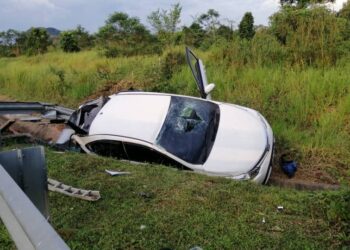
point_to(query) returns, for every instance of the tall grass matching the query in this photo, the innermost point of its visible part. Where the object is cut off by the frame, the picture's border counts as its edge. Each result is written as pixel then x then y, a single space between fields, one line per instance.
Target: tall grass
pixel 68 78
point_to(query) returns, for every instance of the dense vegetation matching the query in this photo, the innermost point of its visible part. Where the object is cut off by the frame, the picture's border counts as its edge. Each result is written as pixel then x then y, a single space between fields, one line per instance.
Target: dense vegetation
pixel 294 71
pixel 301 33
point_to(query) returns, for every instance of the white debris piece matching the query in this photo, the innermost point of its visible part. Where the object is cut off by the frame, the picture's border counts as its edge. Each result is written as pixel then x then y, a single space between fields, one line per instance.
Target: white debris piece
pixel 113 173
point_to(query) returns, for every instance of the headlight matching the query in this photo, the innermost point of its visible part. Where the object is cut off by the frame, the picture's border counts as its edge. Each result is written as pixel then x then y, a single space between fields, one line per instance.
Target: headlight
pixel 240 177
pixel 255 171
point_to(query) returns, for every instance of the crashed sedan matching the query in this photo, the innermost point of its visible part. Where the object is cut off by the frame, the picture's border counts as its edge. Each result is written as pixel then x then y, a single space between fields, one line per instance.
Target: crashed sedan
pixel 191 133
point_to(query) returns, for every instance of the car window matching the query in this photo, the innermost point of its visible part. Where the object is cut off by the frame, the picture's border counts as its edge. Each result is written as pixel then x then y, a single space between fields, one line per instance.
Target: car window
pixel 132 152
pixel 189 130
pixel 108 148
pixel 141 153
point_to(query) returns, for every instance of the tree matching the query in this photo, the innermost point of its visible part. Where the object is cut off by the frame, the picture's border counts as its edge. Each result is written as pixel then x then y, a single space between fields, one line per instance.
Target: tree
pixel 120 26
pixel 37 41
pixel 193 35
pixel 311 35
pixel 209 20
pixel 225 32
pixel 8 40
pixel 246 26
pixel 303 3
pixel 124 35
pixel 12 42
pixel 84 39
pixel 69 41
pixel 165 23
pixel 166 20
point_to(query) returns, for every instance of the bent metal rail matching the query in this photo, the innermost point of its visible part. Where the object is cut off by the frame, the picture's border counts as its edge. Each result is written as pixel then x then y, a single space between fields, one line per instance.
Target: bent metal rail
pixel 26 225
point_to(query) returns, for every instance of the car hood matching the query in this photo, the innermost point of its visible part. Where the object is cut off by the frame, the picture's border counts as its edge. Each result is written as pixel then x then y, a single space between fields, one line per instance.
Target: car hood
pixel 240 142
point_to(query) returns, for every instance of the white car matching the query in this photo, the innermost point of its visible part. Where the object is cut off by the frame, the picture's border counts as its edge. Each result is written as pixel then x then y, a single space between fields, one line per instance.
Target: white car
pixel 191 133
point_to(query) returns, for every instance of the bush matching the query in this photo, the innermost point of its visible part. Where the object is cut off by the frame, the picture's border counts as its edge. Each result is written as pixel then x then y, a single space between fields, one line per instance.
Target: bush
pixel 310 35
pixel 266 50
pixel 172 62
pixel 69 42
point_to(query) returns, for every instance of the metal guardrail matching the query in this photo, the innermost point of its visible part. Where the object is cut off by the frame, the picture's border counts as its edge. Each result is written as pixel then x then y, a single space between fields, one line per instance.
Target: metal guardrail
pixel 26 225
pixel 27 167
pixel 52 111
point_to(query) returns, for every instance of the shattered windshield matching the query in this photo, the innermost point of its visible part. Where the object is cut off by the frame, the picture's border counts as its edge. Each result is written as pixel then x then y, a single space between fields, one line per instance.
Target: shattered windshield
pixel 189 129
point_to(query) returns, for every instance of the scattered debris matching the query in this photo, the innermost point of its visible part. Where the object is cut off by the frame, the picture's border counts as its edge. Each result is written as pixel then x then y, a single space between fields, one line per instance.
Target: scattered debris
pixel 113 173
pixel 143 227
pixel 196 248
pixel 280 208
pixel 6 125
pixel 263 220
pixel 89 195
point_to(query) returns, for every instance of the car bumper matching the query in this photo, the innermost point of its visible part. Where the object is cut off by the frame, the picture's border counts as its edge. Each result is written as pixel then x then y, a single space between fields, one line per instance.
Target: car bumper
pixel 266 165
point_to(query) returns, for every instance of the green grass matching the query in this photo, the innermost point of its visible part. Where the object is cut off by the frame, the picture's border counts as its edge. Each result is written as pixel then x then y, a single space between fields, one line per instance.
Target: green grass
pixel 184 210
pixel 68 78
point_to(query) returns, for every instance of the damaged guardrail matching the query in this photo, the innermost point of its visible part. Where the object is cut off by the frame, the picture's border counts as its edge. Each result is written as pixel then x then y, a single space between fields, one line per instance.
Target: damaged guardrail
pixel 50 111
pixel 27 167
pixel 26 225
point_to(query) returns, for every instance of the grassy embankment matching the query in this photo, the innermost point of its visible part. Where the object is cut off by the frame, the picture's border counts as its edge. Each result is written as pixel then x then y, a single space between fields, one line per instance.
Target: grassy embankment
pixel 181 210
pixel 307 108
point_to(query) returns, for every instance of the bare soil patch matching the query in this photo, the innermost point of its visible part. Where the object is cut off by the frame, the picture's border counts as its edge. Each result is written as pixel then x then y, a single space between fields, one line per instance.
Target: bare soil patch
pixel 112 88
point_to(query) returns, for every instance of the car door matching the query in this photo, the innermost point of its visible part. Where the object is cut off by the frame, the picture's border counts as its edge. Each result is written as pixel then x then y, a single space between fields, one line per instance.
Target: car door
pixel 198 71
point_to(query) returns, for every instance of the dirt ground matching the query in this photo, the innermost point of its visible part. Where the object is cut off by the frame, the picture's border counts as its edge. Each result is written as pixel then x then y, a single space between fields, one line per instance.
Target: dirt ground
pixel 112 88
pixel 306 177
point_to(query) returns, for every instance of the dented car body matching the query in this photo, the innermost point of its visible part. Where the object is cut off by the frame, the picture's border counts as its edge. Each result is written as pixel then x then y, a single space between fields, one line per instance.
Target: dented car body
pixel 189 133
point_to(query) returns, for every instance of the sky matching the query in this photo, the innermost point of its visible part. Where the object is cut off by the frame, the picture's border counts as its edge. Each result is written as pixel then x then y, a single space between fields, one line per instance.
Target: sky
pixel 91 14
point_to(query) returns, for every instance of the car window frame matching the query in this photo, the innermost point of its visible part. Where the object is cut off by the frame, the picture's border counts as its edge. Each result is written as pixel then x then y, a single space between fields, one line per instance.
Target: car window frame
pixel 197 72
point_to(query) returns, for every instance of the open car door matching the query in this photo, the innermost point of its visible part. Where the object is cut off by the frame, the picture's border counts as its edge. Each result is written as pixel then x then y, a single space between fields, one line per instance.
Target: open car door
pixel 199 75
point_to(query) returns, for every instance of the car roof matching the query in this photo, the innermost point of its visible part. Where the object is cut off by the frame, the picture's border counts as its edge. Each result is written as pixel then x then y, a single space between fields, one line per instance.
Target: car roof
pixel 135 115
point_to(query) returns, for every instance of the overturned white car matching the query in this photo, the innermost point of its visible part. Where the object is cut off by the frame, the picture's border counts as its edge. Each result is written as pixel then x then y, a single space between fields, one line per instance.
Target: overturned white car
pixel 191 133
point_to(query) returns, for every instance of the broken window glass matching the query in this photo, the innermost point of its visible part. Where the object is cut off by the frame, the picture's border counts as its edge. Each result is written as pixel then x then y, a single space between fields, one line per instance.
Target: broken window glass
pixel 82 118
pixel 189 129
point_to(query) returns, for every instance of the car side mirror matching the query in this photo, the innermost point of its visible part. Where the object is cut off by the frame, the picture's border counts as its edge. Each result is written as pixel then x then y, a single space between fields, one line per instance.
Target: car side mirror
pixel 209 88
